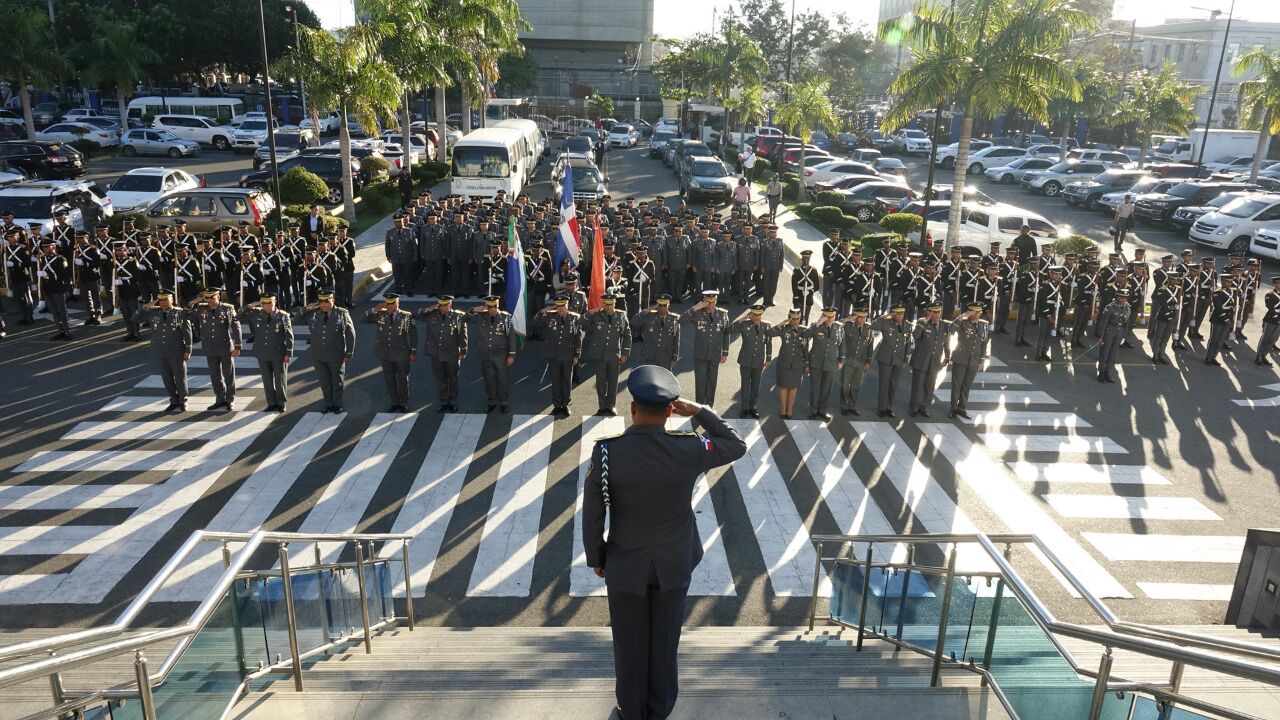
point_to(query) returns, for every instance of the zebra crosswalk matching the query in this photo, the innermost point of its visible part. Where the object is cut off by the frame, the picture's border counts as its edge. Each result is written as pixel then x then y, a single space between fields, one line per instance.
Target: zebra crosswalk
pixel 102 503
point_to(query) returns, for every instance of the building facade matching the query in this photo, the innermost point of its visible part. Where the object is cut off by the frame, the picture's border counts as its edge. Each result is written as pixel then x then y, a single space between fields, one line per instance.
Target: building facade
pixel 890 9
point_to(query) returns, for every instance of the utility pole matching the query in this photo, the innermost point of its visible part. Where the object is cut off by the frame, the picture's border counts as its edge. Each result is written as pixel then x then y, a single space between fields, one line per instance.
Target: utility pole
pixel 297 48
pixel 1222 56
pixel 271 123
pixel 791 41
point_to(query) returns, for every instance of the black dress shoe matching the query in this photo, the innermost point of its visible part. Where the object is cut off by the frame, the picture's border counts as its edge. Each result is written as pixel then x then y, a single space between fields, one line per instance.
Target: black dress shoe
pixel 1241 336
pixel 325 410
pixel 925 413
pixel 889 413
pixel 744 414
pixel 490 408
pixel 1215 363
pixel 337 409
pixel 1022 343
pixel 171 407
pixel 281 408
pixel 755 415
pixel 1196 336
pixel 854 412
pixel 442 409
pixel 216 406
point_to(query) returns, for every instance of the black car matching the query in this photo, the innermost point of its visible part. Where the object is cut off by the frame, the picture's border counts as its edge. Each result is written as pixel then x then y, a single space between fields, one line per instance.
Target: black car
pixel 873 200
pixel 358 153
pixel 845 142
pixel 326 167
pixel 1159 207
pixel 41 159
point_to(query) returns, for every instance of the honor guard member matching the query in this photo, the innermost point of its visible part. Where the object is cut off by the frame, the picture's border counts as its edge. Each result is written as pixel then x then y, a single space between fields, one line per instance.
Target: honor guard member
pixel 607 342
pixel 1049 311
pixel 950 272
pixel 1025 294
pixel 538 269
pixel 753 357
pixel 826 360
pixel 616 285
pixel 562 332
pixel 495 270
pixel 126 288
pixel 332 342
pixel 988 288
pixel 973 347
pixel 892 353
pixel 929 350
pixel 217 328
pixel 1270 324
pixel 862 287
pixel 17 272
pixel 643 480
pixel 661 331
pixel 171 339
pixel 859 346
pixel 833 262
pixel 87 259
pixel 273 346
pixel 396 344
pixel 344 248
pixel 804 284
pixel 1164 313
pixel 497 338
pixel 1086 300
pixel 1222 317
pixel 1010 268
pixel 186 278
pixel 446 345
pixel 710 344
pixel 315 275
pixel 53 273
pixel 640 277
pixel 1111 329
pixel 401 248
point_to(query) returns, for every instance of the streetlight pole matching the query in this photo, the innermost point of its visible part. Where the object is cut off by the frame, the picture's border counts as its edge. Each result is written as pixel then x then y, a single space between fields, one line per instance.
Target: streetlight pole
pixel 1213 97
pixel 791 40
pixel 297 48
pixel 933 153
pixel 271 120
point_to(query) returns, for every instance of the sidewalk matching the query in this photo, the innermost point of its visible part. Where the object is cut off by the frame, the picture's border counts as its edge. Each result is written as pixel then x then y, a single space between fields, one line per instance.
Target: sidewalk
pixel 371 257
pixel 797 235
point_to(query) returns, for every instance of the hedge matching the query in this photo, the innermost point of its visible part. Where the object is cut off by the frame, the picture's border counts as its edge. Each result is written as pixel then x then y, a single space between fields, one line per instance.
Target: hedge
pixel 831 216
pixel 377 167
pixel 871 242
pixel 763 167
pixel 902 223
pixel 428 174
pixel 379 198
pixel 1075 243
pixel 791 189
pixel 829 197
pixel 300 185
pixel 115 222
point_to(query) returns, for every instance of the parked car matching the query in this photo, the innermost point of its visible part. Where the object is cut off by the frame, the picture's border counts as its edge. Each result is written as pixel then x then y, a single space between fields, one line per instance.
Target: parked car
pixel 821 139
pixel 142 186
pixel 1266 243
pixel 865 155
pixel 907 140
pixel 1173 170
pixel 1110 201
pixel 103 123
pixel 589 184
pixel 1012 173
pixel 623 135
pixel 42 159
pixel 9 117
pixel 1231 227
pixel 327 167
pixel 197 128
pixel 420 145
pixel 658 141
pixel 890 166
pixel 68 132
pixel 689 150
pixel 845 142
pixel 831 168
pixel 669 151
pixel 945 157
pixel 707 178
pixel 1230 163
pixel 37 201
pixel 251 133
pixel 290 141
pixel 880 141
pixel 864 201
pixel 1159 207
pixel 1186 216
pixel 781 149
pixel 669 124
pixel 1032 139
pixel 995 155
pixel 766 144
pixel 45 113
pixel 207 209
pixel 577 144
pixel 1049 182
pixel 943 192
pixel 1046 150
pixel 845 182
pixel 1087 193
pixel 76 114
pixel 330 122
pixel 1110 157
pixel 150 141
pixel 981 224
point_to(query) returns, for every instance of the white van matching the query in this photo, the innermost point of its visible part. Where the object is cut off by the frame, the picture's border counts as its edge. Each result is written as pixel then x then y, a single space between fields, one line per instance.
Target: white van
pixel 488 160
pixel 532 138
pixel 197 128
pixel 222 110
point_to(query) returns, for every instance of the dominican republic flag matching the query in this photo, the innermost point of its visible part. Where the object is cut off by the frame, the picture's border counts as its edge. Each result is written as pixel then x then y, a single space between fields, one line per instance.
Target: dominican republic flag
pixel 517 300
pixel 567 242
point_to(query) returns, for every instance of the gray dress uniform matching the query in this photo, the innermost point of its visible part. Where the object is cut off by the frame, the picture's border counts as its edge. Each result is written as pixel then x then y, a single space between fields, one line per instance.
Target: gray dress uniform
pixel 661 337
pixel 333 341
pixel 748 261
pixel 724 264
pixel 401 247
pixel 218 330
pixel 272 343
pixel 645 478
pixel 676 258
pixel 497 343
pixel 704 260
pixel 826 356
pixel 771 258
pixel 171 339
pixel 608 339
pixel 793 354
pixel 756 352
pixel 710 348
pixel 892 353
pixel 1110 329
pixel 928 355
pixel 446 333
pixel 859 343
pixel 563 345
pixel 395 341
pixel 973 347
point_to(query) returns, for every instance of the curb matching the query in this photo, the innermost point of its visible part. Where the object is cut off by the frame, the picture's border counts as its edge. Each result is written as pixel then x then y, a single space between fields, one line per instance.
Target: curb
pixel 366 279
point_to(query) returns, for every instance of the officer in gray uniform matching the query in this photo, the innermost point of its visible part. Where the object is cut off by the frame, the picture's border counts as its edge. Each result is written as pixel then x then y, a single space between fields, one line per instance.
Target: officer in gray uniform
pixel 396 345
pixel 928 358
pixel 1111 329
pixel 892 354
pixel 753 357
pixel 447 348
pixel 973 347
pixel 218 330
pixel 826 359
pixel 677 262
pixel 771 257
pixel 859 346
pixel 710 344
pixel 401 247
pixel 171 339
pixel 661 331
pixel 644 480
pixel 273 346
pixel 563 349
pixel 333 340
pixel 607 343
pixel 497 349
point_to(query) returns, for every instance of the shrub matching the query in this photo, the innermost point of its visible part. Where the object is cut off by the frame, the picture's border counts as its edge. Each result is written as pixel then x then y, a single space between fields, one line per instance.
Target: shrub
pixel 803 208
pixel 829 197
pixel 830 216
pixel 1074 243
pixel 115 222
pixel 871 242
pixel 763 167
pixel 377 167
pixel 379 198
pixel 791 189
pixel 300 185
pixel 428 174
pixel 902 223
pixel 790 178
pixel 87 148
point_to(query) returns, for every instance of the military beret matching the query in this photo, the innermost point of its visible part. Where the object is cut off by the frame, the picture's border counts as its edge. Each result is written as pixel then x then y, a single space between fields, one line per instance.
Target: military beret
pixel 653 387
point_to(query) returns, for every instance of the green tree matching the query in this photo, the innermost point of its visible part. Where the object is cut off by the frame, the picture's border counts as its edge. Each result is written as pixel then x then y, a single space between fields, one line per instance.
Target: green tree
pixel 113 57
pixel 768 24
pixel 1097 101
pixel 855 62
pixel 600 105
pixel 809 107
pixel 27 54
pixel 517 73
pixel 985 56
pixel 1159 102
pixel 1260 98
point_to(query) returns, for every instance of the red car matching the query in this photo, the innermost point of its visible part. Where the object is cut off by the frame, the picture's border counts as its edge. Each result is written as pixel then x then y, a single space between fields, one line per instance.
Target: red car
pixel 790 159
pixel 765 144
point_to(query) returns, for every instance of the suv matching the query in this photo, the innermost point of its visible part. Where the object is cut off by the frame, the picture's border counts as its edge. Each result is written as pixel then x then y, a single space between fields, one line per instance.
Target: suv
pixel 1159 207
pixel 1089 192
pixel 251 133
pixel 1049 182
pixel 868 201
pixel 708 178
pixel 43 159
pixel 946 155
pixel 289 142
pixel 1187 215
pixel 1113 157
pixel 1110 201
pixel 196 127
pixel 37 201
pixel 1173 171
pixel 690 149
pixel 327 167
pixel 1232 226
pixel 980 225
pixel 658 140
pixel 207 209
pixel 908 140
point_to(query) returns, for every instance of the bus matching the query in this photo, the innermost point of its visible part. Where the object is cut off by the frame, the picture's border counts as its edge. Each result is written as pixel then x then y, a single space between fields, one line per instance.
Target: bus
pixel 488 160
pixel 533 142
pixel 222 110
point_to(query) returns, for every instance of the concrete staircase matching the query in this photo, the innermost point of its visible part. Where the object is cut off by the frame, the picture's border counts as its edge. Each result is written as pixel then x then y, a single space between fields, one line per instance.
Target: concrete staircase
pixel 737 673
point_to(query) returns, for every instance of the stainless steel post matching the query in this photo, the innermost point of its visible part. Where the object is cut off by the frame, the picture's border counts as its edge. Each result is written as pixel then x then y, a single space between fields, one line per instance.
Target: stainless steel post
pixel 817 574
pixel 292 620
pixel 318 560
pixel 56 689
pixel 235 614
pixel 143 677
pixel 1175 676
pixel 364 598
pixel 1100 687
pixel 902 597
pixel 942 618
pixel 408 583
pixel 866 590
pixel 993 624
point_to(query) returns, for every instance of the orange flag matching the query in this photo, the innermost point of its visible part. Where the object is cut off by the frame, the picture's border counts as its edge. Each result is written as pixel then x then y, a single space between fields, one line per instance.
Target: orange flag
pixel 596 299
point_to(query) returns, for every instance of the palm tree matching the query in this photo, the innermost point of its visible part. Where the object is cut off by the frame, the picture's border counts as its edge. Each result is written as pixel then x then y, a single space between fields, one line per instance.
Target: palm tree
pixel 1159 102
pixel 808 107
pixel 113 56
pixel 27 54
pixel 987 56
pixel 1260 98
pixel 749 106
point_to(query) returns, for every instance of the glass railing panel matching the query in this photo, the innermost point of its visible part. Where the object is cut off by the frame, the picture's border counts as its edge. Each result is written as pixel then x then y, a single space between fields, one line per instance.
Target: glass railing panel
pixel 253 638
pixel 1144 708
pixel 341 590
pixel 386 589
pixel 373 593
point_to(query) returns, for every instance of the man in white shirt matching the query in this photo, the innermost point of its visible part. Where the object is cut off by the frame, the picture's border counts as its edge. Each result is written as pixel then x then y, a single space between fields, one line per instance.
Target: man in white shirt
pixel 748 158
pixel 1123 220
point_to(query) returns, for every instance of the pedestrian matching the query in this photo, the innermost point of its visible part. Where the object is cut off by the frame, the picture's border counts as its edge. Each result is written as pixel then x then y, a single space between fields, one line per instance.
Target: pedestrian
pixel 892 353
pixel 171 340
pixel 217 328
pixel 753 357
pixel 273 347
pixel 1111 329
pixel 748 159
pixel 929 350
pixel 1025 244
pixel 561 331
pixel 773 193
pixel 396 345
pixel 333 341
pixel 643 480
pixel 497 349
pixel 1270 325
pixel 607 343
pixel 793 360
pixel 973 347
pixel 1122 221
pixel 742 198
pixel 446 345
pixel 405 182
pixel 710 344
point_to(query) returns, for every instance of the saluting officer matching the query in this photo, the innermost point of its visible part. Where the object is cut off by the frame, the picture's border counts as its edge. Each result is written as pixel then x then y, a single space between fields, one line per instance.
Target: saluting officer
pixel 892 354
pixel 973 347
pixel 608 344
pixel 497 349
pixel 218 330
pixel 753 357
pixel 273 346
pixel 396 345
pixel 793 360
pixel 772 254
pixel 710 344
pixel 563 349
pixel 1111 329
pixel 447 348
pixel 1270 324
pixel 826 359
pixel 859 346
pixel 171 339
pixel 332 341
pixel 661 331
pixel 929 350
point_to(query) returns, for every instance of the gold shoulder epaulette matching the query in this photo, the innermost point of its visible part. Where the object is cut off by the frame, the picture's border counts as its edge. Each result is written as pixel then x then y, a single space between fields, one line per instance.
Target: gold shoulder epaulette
pixel 682 433
pixel 609 437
